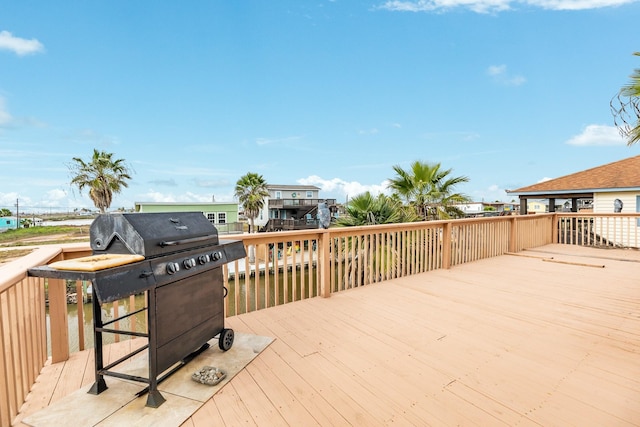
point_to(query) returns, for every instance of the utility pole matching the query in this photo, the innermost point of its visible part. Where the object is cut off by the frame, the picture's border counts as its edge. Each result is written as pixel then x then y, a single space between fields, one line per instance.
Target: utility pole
pixel 17 214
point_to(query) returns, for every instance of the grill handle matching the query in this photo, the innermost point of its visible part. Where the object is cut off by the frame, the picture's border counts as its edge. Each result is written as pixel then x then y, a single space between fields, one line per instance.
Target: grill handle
pixel 185 241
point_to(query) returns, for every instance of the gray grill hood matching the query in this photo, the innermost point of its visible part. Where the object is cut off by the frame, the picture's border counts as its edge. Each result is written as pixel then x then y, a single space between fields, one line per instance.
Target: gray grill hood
pixel 151 234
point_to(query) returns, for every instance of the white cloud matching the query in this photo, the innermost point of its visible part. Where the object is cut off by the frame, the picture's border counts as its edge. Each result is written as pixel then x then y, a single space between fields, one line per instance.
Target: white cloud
pixel 286 140
pixel 491 193
pixel 8 199
pixel 56 194
pixel 577 4
pixel 493 6
pixel 480 6
pixel 18 45
pixel 339 189
pixel 597 135
pixel 496 70
pixel 96 138
pixel 5 117
pixel 372 131
pixel 500 75
pixel 545 179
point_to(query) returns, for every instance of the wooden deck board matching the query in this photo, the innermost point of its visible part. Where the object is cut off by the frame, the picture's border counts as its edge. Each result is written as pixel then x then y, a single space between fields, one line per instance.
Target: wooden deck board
pixel 504 341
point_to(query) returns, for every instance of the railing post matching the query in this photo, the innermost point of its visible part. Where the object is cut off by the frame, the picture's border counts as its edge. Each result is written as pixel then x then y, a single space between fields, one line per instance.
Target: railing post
pixel 554 228
pixel 446 245
pixel 324 263
pixel 513 234
pixel 58 320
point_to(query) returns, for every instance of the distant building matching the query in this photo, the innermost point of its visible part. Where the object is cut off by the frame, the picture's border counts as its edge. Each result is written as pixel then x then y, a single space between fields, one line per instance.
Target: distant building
pixel 224 215
pixel 595 188
pixel 292 207
pixel 537 206
pixel 8 223
pixel 476 209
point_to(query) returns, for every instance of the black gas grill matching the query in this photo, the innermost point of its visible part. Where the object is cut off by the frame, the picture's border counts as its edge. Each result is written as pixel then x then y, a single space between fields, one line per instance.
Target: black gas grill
pixel 181 272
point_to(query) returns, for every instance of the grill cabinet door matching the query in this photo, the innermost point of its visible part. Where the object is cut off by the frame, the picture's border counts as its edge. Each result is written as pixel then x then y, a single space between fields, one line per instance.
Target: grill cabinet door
pixel 189 312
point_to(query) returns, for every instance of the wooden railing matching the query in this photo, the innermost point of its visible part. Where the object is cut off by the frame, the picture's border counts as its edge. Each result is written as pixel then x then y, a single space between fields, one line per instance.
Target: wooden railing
pixel 281 268
pixel 23 331
pixel 602 230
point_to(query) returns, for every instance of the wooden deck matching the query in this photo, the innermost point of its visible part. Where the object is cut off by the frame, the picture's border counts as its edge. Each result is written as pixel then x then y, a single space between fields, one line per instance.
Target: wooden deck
pixel 511 340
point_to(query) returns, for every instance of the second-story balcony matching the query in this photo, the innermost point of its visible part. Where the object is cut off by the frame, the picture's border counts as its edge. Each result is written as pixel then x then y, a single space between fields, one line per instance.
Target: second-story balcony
pixel 296 203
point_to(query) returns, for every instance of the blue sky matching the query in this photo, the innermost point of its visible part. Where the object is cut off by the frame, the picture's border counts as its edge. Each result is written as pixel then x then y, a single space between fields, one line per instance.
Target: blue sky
pixel 195 94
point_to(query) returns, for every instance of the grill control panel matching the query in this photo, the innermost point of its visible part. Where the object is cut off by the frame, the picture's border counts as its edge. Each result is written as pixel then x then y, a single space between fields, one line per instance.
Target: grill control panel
pixel 180 265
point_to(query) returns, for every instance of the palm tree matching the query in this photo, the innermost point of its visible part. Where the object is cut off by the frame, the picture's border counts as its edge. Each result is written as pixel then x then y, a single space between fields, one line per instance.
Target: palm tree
pixel 366 209
pixel 429 189
pixel 251 190
pixel 102 175
pixel 625 108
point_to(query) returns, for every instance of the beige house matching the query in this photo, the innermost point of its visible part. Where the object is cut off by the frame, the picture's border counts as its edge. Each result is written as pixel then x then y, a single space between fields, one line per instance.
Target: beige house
pixel 611 188
pixel 536 206
pixel 291 207
pixel 603 184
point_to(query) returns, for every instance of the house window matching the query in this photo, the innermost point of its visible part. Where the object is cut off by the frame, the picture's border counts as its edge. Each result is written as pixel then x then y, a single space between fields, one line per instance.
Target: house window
pixel 309 194
pixel 211 216
pixel 222 217
pixel 278 194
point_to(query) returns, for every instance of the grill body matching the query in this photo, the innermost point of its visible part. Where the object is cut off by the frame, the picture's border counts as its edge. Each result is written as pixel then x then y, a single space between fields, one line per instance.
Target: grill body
pixel 182 276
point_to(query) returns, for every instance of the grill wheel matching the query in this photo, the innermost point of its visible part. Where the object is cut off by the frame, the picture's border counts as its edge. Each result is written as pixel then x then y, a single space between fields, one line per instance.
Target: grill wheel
pixel 226 339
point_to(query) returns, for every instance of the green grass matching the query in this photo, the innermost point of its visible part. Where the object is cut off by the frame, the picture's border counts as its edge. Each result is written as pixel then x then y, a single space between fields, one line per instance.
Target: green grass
pixel 33 234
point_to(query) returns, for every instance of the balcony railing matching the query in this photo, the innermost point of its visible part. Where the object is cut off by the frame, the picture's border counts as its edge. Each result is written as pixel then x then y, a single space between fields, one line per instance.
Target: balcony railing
pixel 283 203
pixel 281 268
pixel 291 224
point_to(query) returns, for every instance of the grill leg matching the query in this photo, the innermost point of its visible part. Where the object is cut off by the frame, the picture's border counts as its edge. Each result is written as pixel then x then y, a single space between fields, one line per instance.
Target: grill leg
pixel 99 385
pixel 154 399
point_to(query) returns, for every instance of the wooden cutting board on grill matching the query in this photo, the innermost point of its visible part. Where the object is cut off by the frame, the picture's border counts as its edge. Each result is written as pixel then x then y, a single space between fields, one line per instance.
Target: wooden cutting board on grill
pixel 96 262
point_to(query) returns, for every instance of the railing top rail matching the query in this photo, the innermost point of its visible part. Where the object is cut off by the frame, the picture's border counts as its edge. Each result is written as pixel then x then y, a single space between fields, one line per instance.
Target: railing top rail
pixel 15 271
pixel 593 214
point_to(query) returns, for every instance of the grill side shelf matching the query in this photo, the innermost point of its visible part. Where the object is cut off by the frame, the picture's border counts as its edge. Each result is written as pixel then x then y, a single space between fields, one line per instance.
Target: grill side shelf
pixel 110 284
pixel 52 273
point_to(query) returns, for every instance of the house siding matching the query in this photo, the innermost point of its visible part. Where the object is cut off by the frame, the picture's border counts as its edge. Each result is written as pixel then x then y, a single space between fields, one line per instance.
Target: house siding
pixel 603 202
pixel 229 209
pixel 8 223
pixel 617 230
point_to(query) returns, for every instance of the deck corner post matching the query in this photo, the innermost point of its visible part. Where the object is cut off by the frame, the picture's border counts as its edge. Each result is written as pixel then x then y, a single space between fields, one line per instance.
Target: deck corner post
pixel 324 260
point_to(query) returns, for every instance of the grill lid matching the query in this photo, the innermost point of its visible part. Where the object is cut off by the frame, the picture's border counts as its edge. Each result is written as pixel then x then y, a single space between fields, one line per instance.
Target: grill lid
pixel 151 234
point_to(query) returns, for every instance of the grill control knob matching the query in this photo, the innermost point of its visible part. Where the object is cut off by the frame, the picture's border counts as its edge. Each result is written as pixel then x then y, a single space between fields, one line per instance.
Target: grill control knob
pixel 189 262
pixel 172 267
pixel 202 259
pixel 216 256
